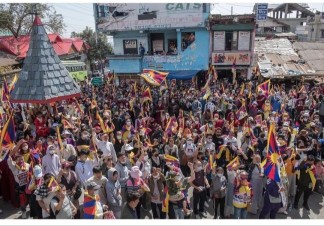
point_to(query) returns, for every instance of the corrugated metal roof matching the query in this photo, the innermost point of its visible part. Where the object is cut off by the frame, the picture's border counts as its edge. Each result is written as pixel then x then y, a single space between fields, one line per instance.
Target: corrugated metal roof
pixel 312 53
pixel 277 57
pixel 43 78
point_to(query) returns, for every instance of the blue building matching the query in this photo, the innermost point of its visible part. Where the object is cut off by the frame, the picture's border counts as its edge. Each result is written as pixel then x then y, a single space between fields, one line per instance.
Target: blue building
pixel 170 37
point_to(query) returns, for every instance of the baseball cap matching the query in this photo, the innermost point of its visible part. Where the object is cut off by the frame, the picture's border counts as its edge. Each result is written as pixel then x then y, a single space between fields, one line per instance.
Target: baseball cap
pixel 93 185
pixel 38 171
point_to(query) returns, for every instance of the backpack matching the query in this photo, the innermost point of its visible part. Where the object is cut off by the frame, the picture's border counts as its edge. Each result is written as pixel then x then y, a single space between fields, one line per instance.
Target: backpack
pixel 52 214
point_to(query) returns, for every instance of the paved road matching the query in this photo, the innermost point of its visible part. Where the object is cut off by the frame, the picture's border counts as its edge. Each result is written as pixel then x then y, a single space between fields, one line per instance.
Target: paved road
pixel 316 204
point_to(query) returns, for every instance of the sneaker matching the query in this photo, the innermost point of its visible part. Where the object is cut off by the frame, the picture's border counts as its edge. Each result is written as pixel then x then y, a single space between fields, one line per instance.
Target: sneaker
pixel 24 215
pixel 203 214
pixel 206 204
pixel 188 213
pixel 306 207
pixel 285 212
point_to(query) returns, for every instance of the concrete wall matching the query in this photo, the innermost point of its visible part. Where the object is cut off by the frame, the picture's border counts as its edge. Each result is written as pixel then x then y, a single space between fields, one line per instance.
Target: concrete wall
pixel 293 23
pixel 126 65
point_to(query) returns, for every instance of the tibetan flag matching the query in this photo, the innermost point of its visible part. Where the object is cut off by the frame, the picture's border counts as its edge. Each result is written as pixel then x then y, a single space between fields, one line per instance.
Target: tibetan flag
pixel 234 161
pixel 78 107
pixel 163 86
pixel 165 201
pixel 66 123
pixel 312 173
pixel 264 87
pixel 53 185
pixel 169 158
pixel 168 128
pixel 242 89
pixel 5 91
pixel 302 89
pixel 93 104
pixel 241 113
pixel 207 94
pixel 8 134
pixel 13 82
pixel 59 139
pixel 271 168
pixel 215 75
pixel 211 161
pixel 154 77
pixel 146 95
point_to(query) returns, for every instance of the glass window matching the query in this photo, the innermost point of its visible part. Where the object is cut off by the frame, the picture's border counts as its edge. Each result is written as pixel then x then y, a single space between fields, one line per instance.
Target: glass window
pixel 322 33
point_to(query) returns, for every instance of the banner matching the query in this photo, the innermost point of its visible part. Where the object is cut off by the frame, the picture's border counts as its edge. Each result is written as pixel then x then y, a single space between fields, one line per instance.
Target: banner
pixel 221 58
pixel 154 77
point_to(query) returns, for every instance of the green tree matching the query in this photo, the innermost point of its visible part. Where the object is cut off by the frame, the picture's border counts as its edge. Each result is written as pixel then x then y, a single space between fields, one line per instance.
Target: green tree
pixel 18 18
pixel 100 47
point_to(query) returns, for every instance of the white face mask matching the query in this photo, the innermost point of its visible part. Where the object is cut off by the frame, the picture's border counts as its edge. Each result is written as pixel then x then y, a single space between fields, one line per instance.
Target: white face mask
pixel 25 148
pixel 128 123
pixel 64 143
pixel 145 158
pixel 199 168
pixel 119 137
pixel 219 174
pixel 51 152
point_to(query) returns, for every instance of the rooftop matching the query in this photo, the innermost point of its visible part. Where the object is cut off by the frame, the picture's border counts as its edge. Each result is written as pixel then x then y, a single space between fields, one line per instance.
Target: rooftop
pixel 277 58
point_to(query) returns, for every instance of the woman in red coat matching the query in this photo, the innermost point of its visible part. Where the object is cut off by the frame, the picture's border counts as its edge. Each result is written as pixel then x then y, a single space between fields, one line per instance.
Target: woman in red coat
pixel 40 123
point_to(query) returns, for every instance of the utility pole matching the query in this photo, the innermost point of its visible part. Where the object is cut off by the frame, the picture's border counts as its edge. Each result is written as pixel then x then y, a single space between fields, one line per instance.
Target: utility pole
pixel 231 10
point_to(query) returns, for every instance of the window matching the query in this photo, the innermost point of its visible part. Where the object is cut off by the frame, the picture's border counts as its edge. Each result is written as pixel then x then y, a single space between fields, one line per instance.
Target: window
pixel 130 46
pixel 322 33
pixel 157 43
pixel 230 40
pixel 187 39
pixel 172 47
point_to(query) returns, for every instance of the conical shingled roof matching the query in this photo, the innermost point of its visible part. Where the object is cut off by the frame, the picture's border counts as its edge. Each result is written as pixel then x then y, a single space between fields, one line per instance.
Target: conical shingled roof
pixel 43 78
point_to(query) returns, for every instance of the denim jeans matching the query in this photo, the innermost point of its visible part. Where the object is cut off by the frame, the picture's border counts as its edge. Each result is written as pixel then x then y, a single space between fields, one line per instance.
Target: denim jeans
pixel 240 213
pixel 178 212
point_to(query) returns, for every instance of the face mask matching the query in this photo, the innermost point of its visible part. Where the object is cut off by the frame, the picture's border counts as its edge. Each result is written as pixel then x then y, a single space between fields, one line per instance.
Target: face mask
pixel 156 177
pixel 119 137
pixel 84 137
pixel 219 174
pixel 64 143
pixel 194 134
pixel 51 152
pixel 189 142
pixel 172 101
pixel 128 123
pixel 55 142
pixel 44 112
pixel 209 140
pixel 25 148
pixel 199 168
pixel 145 158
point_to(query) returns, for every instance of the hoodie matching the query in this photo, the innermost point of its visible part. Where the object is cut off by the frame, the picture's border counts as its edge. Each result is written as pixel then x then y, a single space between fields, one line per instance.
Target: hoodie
pixel 113 190
pixel 123 174
pixel 51 164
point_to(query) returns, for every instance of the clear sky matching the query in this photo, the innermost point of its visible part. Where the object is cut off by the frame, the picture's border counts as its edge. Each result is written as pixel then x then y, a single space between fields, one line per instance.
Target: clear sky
pixel 79 15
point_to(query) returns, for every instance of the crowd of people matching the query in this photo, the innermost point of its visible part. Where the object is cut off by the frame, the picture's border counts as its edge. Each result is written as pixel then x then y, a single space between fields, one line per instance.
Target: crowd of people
pixel 114 153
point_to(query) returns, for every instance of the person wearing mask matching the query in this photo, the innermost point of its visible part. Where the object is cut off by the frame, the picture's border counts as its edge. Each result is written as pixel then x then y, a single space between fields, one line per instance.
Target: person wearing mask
pixel 105 146
pixel 84 167
pixel 256 180
pixel 107 164
pixel 242 195
pixel 51 162
pixel 83 141
pixel 155 183
pixel 100 180
pixel 272 200
pixel 113 191
pixel 123 172
pixel 231 175
pixel 171 149
pixel 92 207
pixel 144 165
pixel 135 184
pixel 118 144
pixel 44 195
pixel 129 209
pixel 61 207
pixel 19 169
pixel 69 179
pixel 305 184
pixel 68 150
pixel 200 183
pixel 218 191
